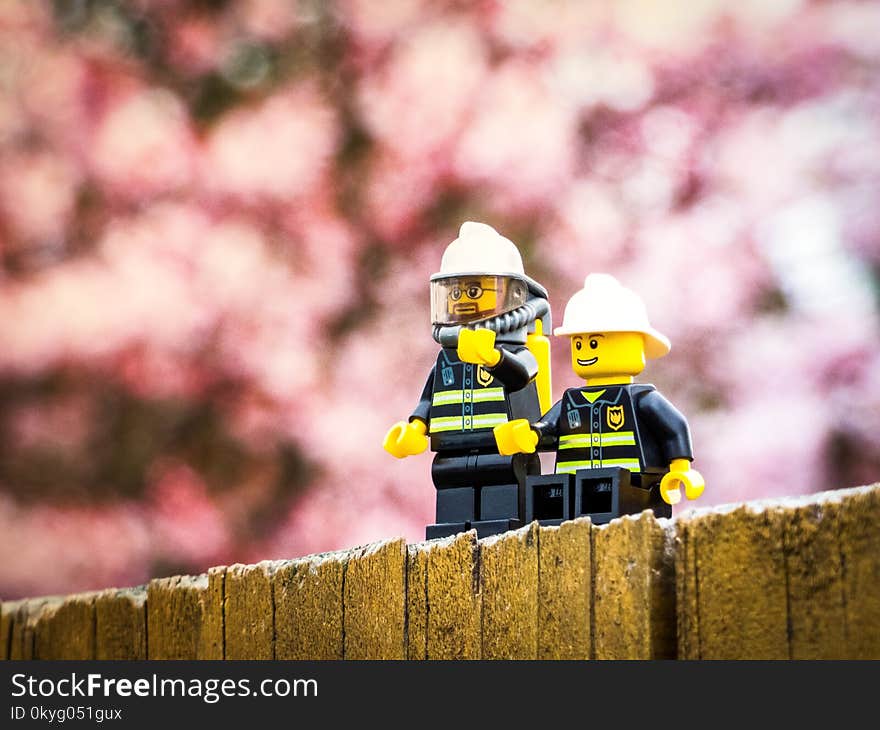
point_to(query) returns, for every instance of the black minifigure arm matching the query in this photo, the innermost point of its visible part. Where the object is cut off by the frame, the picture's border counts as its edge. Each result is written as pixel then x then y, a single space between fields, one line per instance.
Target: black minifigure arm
pixel 423 408
pixel 516 368
pixel 671 432
pixel 667 425
pixel 548 428
pixel 408 438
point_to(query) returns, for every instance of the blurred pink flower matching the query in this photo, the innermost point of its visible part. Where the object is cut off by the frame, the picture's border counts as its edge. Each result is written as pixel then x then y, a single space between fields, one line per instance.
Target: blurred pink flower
pixel 398 192
pixel 64 424
pixel 521 139
pixel 300 129
pixel 375 24
pixel 38 195
pixel 185 524
pixel 143 146
pixel 195 45
pixel 270 20
pixel 68 549
pixel 415 105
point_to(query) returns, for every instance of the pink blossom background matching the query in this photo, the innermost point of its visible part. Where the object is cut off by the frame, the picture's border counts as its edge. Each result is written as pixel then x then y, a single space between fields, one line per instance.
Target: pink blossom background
pixel 218 220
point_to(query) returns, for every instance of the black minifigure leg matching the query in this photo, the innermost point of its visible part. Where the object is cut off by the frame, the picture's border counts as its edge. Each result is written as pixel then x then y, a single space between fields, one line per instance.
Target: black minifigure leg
pixel 499 502
pixel 456 504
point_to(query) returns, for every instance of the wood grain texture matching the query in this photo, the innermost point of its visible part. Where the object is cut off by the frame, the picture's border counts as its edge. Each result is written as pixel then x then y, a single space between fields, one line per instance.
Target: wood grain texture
pixel 212 640
pixel 8 612
pixel 814 577
pixel 740 579
pixel 249 611
pixel 509 587
pixel 564 591
pixel 179 618
pixel 687 612
pixel 417 600
pixel 454 599
pixel 859 519
pixel 634 589
pixel 374 602
pixel 22 641
pixel 65 628
pixel 309 607
pixel 121 624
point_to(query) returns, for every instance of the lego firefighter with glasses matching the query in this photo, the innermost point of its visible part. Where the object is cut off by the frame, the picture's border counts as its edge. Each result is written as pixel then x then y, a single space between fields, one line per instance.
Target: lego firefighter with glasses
pixel 621 447
pixel 489 319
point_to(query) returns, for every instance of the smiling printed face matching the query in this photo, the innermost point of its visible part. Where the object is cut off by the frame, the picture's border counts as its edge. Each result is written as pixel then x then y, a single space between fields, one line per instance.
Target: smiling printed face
pixel 607 355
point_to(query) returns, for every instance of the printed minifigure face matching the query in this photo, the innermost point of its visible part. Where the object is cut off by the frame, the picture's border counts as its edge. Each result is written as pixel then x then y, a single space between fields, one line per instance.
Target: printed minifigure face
pixel 607 354
pixel 472 297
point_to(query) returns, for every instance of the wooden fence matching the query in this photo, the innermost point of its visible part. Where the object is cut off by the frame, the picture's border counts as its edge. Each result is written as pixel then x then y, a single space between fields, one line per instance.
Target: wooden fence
pixel 792 579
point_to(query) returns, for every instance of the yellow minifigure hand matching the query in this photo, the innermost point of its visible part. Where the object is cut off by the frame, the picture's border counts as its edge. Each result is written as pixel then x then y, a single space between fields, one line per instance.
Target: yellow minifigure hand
pixel 515 437
pixel 680 472
pixel 406 439
pixel 478 346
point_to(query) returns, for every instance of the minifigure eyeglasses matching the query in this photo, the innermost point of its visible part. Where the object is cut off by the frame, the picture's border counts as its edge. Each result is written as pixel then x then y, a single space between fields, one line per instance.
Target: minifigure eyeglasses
pixel 473 291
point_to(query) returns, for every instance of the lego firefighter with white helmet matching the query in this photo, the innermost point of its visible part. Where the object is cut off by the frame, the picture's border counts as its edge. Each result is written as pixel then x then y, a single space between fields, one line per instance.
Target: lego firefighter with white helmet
pixel 489 319
pixel 620 446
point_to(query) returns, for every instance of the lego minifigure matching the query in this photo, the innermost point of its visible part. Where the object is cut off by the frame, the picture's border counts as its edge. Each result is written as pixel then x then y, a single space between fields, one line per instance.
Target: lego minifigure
pixel 489 318
pixel 620 447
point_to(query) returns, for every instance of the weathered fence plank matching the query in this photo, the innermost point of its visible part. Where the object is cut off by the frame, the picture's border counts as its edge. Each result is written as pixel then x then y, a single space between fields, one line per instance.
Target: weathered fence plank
pixel 182 617
pixel 509 586
pixel 443 597
pixel 417 600
pixel 374 596
pixel 8 611
pixel 24 623
pixel 65 628
pixel 121 624
pixel 249 611
pixel 687 615
pixel 308 607
pixel 814 578
pixel 564 591
pixel 633 589
pixel 860 554
pixel 739 568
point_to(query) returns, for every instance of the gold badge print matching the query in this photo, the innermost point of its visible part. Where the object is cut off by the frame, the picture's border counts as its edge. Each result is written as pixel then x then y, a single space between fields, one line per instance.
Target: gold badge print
pixel 484 377
pixel 614 417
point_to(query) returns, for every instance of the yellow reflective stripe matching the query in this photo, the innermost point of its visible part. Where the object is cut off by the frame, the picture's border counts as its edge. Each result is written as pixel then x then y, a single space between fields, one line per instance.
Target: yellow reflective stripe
pixel 570 467
pixel 461 423
pixel 456 397
pixel 582 441
pixel 490 420
pixel 631 464
pixel 448 397
pixel 488 394
pixel 446 423
pixel 619 439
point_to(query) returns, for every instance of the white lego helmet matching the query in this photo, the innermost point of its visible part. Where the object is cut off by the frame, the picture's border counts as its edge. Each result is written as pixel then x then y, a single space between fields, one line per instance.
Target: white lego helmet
pixel 480 260
pixel 605 305
pixel 480 249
